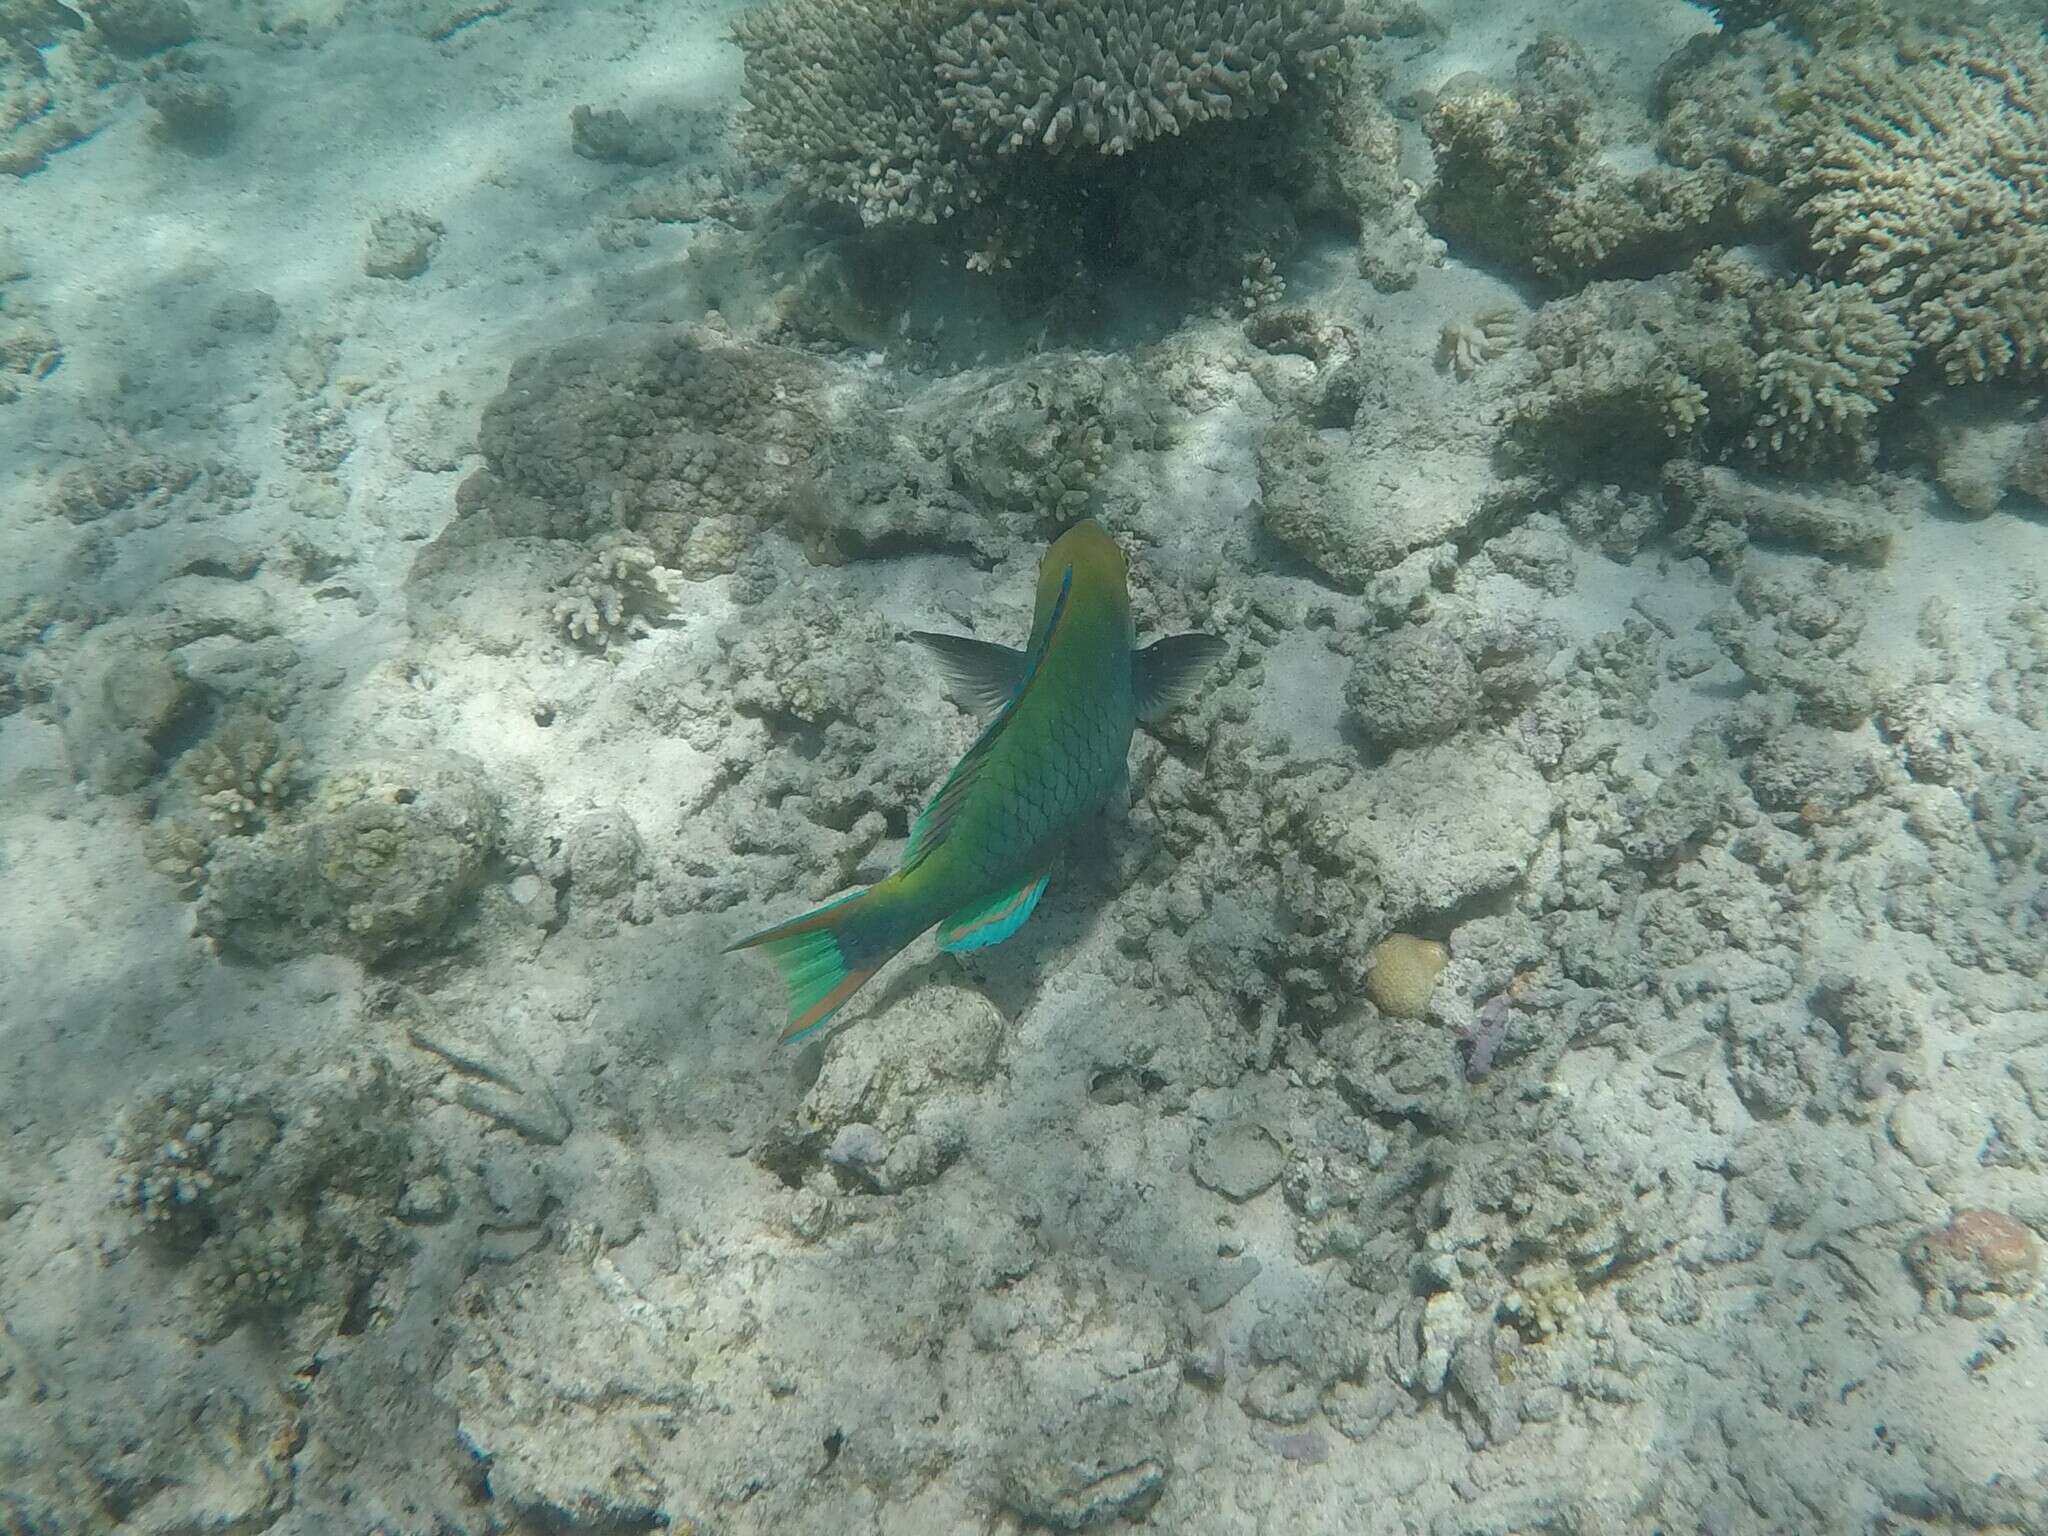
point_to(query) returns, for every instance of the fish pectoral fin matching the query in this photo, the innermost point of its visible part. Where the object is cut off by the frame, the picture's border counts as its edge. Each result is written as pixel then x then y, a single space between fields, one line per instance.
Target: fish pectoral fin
pixel 934 823
pixel 991 919
pixel 1167 671
pixel 981 676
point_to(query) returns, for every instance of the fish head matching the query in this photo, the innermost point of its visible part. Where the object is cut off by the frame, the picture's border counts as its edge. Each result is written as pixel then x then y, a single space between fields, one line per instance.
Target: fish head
pixel 1097 560
pixel 1091 564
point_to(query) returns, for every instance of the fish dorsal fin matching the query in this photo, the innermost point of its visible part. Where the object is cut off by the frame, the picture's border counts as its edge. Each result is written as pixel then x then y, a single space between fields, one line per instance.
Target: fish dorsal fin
pixel 1167 671
pixel 992 919
pixel 980 675
pixel 931 827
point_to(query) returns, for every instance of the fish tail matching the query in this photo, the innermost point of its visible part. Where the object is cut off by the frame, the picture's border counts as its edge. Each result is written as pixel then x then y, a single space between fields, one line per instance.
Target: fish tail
pixel 828 954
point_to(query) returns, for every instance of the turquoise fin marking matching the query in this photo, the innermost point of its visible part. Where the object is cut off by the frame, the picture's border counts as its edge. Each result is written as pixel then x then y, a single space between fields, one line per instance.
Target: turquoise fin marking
pixel 806 954
pixel 980 675
pixel 983 923
pixel 1167 671
pixel 936 820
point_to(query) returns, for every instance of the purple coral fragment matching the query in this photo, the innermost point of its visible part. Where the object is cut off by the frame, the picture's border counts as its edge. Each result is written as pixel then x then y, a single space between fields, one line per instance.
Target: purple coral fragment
pixel 1304 1446
pixel 1483 1036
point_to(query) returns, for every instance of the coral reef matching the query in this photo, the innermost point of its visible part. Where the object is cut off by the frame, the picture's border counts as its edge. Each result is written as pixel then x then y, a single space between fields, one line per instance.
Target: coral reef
pixel 277 1195
pixel 1411 686
pixel 380 863
pixel 1921 180
pixel 192 112
pixel 1572 985
pixel 667 433
pixel 677 447
pixel 400 243
pixel 178 850
pixel 134 28
pixel 1462 345
pixel 1827 358
pixel 1404 973
pixel 120 706
pixel 1978 1255
pixel 1721 362
pixel 907 112
pixel 1521 178
pixel 1346 511
pixel 1908 157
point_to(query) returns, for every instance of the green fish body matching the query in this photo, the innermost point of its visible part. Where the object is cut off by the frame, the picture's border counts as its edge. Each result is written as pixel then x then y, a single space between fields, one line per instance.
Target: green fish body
pixel 1055 751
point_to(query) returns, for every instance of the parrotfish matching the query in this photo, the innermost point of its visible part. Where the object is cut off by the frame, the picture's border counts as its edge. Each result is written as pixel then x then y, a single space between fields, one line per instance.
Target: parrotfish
pixel 1055 750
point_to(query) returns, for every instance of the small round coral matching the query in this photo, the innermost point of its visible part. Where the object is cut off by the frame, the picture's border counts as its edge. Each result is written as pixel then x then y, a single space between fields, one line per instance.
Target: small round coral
pixel 1404 972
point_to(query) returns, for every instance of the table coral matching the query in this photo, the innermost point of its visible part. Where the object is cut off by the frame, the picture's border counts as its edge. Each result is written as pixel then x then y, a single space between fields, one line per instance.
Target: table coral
pixel 900 111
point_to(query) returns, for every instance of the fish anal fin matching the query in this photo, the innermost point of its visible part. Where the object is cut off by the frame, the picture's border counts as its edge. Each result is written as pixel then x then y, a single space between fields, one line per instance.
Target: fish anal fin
pixel 992 919
pixel 1167 672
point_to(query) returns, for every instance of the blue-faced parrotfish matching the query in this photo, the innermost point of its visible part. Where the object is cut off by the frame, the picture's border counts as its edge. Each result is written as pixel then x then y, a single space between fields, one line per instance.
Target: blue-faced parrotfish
pixel 1055 750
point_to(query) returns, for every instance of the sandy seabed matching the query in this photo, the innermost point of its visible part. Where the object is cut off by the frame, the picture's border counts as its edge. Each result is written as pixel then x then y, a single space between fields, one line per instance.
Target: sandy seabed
pixel 385 1144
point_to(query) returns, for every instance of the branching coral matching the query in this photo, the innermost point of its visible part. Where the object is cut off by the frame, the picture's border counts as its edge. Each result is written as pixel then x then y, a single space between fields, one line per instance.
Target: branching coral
pixel 275 1201
pixel 1829 356
pixel 178 851
pixel 1462 345
pixel 1119 73
pixel 1926 181
pixel 1521 177
pixel 900 109
pixel 243 773
pixel 1721 362
pixel 622 595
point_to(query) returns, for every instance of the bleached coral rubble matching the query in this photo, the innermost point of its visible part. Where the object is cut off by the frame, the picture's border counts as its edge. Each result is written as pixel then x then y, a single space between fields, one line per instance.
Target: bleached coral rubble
pixel 1554 1042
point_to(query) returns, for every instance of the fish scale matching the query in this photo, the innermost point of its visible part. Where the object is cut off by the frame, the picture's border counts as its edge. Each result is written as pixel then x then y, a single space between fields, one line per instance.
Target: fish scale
pixel 981 852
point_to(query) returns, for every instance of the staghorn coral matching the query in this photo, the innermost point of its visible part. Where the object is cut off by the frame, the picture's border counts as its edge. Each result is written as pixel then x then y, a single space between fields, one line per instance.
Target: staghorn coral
pixel 1924 179
pixel 902 111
